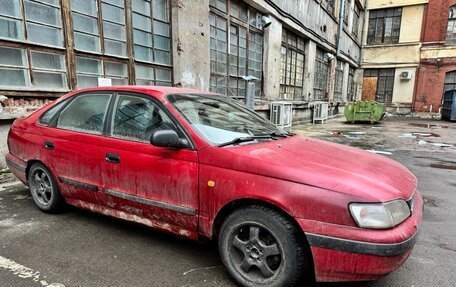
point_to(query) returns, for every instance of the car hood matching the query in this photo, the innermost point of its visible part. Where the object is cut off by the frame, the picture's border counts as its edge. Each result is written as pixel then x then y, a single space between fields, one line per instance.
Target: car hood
pixel 319 163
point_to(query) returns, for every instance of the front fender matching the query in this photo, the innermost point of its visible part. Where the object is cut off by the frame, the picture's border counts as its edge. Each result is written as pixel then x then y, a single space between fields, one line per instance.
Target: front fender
pixel 219 187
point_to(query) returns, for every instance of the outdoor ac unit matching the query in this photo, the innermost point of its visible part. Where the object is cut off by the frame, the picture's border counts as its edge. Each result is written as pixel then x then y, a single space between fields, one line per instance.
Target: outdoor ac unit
pixel 281 113
pixel 407 75
pixel 320 112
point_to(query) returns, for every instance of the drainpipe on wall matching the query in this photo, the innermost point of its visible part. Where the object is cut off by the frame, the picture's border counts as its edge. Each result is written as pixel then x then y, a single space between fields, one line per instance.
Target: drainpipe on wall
pixel 341 25
pixel 362 33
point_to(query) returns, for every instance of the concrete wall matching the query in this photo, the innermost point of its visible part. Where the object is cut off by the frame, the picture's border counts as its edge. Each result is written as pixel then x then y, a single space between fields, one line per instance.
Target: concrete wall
pixel 379 4
pixel 271 59
pixel 411 23
pixel 403 89
pixel 391 55
pixel 191 40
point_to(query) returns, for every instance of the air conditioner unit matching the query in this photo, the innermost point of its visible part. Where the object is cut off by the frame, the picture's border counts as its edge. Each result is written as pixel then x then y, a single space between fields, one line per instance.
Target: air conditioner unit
pixel 281 114
pixel 320 112
pixel 407 75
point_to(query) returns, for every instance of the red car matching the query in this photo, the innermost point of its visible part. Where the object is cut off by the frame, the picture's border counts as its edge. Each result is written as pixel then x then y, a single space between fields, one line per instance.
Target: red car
pixel 202 166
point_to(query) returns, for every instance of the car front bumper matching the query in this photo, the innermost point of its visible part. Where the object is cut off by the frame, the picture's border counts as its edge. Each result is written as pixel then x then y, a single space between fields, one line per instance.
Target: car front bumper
pixel 346 253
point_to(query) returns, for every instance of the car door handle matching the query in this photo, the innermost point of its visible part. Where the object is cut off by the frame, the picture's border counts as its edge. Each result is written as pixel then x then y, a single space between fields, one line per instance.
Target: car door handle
pixel 48 145
pixel 112 157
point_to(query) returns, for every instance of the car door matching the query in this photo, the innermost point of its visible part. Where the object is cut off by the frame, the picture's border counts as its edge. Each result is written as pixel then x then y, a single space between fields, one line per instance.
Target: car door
pixel 160 185
pixel 74 145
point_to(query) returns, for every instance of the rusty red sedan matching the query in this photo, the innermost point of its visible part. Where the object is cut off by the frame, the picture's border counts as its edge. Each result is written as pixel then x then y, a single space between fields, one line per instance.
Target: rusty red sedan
pixel 202 166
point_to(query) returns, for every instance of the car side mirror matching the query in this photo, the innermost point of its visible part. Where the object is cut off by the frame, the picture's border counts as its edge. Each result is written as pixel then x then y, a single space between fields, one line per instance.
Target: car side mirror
pixel 167 138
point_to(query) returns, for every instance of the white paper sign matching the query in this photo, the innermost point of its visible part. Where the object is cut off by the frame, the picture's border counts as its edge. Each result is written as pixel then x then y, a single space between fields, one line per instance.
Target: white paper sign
pixel 104 82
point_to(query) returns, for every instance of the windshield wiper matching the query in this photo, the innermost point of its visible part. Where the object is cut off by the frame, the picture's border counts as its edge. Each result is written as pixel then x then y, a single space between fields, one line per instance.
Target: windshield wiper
pixel 282 135
pixel 245 139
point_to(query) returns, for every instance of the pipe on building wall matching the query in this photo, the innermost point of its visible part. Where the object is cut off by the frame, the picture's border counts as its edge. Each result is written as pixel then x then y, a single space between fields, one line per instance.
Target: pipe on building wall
pixel 363 30
pixel 341 26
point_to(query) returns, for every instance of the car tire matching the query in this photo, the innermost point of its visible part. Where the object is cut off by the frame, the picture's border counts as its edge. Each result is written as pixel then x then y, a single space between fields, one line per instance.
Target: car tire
pixel 261 247
pixel 44 189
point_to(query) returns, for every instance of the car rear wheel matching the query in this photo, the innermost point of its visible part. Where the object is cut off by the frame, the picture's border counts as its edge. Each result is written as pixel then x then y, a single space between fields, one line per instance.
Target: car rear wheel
pixel 44 189
pixel 260 247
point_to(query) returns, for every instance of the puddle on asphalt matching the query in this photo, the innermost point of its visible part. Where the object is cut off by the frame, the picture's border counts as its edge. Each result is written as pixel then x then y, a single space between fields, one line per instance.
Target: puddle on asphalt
pixel 428 126
pixel 443 166
pixel 425 135
pixel 362 145
pixel 430 202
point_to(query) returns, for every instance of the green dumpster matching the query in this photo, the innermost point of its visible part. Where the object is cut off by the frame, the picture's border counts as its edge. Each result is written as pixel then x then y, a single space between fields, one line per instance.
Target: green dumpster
pixel 364 111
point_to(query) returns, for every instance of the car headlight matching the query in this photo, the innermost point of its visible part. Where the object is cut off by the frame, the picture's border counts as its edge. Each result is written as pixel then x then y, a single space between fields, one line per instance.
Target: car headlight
pixel 380 215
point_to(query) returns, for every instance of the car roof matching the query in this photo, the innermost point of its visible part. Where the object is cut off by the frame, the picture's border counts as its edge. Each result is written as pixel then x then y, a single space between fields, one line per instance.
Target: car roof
pixel 158 91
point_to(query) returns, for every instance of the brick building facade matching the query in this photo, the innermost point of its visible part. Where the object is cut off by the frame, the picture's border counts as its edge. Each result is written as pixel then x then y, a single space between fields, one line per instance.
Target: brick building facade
pixel 437 70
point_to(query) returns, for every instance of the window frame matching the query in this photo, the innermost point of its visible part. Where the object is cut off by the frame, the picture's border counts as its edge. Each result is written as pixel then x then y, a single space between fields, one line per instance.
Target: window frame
pixel 339 82
pixel 377 21
pixel 351 85
pixel 291 52
pixel 451 20
pixel 30 69
pixel 384 99
pixel 356 21
pixel 447 81
pixel 24 23
pixel 316 86
pixel 224 12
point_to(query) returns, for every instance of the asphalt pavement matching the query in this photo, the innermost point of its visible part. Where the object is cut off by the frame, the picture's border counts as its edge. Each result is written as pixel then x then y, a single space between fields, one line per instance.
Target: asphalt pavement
pixel 79 248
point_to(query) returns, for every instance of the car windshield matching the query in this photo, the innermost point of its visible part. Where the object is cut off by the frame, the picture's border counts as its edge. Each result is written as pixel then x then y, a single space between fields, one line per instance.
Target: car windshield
pixel 222 121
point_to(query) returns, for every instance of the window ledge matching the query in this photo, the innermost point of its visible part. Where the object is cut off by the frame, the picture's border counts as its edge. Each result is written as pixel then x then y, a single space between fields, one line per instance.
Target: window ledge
pixel 367 46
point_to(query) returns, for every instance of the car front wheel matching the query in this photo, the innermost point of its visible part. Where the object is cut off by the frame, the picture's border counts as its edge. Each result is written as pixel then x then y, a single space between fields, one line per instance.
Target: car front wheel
pixel 260 247
pixel 44 189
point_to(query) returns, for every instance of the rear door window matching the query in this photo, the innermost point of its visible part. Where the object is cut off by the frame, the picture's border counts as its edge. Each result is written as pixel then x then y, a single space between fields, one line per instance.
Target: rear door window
pixel 86 113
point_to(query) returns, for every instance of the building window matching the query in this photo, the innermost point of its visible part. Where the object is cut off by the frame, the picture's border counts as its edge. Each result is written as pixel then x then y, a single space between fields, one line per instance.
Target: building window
pixel 88 71
pixel 13 68
pixel 42 21
pixel 450 81
pixel 11 20
pixel 321 76
pixel 328 5
pixel 151 31
pixel 351 85
pixel 236 47
pixel 339 81
pixel 346 11
pixel 113 16
pixel 255 62
pixel 384 26
pixel 356 17
pixel 385 83
pixel 147 75
pixel 47 71
pixel 291 66
pixel 451 27
pixel 86 26
pixel 117 72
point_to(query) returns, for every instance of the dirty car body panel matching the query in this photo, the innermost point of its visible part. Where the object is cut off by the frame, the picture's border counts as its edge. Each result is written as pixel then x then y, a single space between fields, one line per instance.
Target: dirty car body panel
pixel 189 191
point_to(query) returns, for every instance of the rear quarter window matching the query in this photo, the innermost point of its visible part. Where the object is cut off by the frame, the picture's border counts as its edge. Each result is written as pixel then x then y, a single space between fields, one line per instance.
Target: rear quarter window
pixel 46 117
